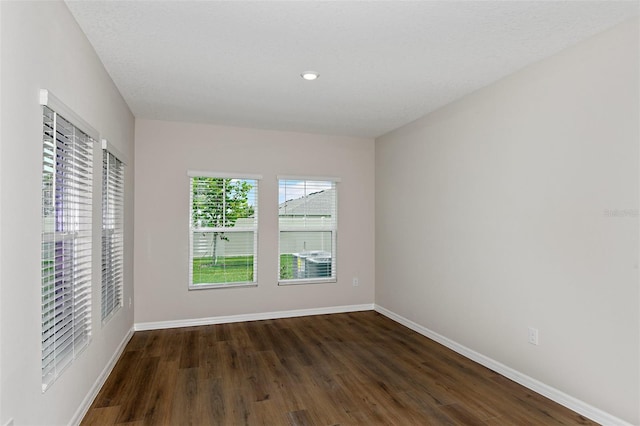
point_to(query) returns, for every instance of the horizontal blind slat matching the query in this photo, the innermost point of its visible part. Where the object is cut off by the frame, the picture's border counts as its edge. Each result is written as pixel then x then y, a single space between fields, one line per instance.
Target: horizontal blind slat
pixel 112 235
pixel 66 243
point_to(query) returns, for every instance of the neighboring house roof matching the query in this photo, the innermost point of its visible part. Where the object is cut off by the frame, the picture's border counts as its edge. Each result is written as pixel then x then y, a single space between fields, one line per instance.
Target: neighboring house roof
pixel 319 203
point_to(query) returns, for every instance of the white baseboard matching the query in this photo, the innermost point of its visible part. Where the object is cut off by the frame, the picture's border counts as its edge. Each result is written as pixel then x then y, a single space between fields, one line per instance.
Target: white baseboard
pixel 251 317
pixel 553 394
pixel 93 392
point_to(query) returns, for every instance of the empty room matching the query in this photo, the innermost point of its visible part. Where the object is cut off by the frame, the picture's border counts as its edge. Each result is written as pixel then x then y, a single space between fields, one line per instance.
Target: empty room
pixel 319 213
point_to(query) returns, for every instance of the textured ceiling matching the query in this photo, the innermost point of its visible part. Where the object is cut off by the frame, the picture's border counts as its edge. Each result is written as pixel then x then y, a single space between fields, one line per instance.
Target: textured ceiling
pixel 381 64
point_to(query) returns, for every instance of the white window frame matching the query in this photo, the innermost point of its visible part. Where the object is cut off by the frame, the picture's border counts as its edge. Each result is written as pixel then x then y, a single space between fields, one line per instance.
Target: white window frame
pixel 223 175
pixel 113 181
pixel 66 285
pixel 332 227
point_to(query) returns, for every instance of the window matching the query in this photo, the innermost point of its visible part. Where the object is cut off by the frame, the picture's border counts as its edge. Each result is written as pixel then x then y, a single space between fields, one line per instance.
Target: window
pixel 307 222
pixel 112 232
pixel 223 230
pixel 66 238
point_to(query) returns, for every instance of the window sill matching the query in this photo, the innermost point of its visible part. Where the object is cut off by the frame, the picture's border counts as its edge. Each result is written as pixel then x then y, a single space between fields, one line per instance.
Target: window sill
pixel 308 281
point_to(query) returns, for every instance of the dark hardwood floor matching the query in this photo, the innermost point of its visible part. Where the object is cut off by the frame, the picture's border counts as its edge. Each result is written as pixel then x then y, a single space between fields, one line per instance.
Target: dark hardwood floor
pixel 343 369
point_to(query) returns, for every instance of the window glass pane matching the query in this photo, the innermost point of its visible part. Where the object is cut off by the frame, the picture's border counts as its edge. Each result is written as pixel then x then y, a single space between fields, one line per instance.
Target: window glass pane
pixel 306 241
pixel 306 203
pixel 224 224
pixel 222 257
pixel 307 219
pixel 219 202
pixel 305 255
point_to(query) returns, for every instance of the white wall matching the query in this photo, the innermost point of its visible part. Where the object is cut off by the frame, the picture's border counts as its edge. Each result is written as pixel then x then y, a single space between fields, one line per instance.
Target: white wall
pixel 42 47
pixel 1 204
pixel 165 151
pixel 516 206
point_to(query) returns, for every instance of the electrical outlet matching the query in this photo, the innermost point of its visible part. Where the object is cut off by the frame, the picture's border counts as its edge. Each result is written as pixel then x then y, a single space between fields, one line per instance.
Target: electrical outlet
pixel 356 283
pixel 533 336
pixel 129 302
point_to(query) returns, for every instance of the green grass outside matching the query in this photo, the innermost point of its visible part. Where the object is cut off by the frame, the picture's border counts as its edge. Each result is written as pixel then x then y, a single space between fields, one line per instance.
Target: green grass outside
pixel 237 269
pixel 234 269
pixel 286 266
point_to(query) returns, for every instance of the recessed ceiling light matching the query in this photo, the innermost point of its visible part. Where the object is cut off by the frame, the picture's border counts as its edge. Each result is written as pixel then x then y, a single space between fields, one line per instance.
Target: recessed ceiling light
pixel 309 75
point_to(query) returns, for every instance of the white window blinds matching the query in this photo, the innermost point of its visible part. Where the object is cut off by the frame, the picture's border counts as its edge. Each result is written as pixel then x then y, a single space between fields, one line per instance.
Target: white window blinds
pixel 112 233
pixel 308 223
pixel 223 231
pixel 66 243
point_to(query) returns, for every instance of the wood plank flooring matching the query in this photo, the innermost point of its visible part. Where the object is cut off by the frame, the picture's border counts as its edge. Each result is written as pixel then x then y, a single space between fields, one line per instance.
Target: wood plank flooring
pixel 343 369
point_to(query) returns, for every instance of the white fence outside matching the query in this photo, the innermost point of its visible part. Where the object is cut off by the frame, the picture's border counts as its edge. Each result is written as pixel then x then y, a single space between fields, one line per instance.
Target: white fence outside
pixel 241 243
